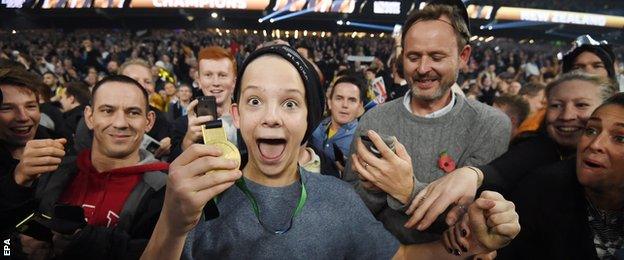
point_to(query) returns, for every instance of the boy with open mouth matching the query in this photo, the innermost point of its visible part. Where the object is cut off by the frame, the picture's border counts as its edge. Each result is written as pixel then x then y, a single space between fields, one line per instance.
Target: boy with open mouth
pixel 272 208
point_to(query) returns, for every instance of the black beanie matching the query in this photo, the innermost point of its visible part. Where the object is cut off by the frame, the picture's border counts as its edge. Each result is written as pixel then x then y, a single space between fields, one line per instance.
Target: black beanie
pixel 603 52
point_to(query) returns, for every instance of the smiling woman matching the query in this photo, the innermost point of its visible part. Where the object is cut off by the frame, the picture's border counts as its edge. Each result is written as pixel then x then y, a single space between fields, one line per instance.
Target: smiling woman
pixel 585 193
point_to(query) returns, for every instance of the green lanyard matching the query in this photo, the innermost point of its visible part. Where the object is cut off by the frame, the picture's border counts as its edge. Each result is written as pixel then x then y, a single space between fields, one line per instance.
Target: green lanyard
pixel 240 183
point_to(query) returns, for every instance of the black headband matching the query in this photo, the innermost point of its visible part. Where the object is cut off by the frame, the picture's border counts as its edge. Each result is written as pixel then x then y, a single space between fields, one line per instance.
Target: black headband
pixel 310 78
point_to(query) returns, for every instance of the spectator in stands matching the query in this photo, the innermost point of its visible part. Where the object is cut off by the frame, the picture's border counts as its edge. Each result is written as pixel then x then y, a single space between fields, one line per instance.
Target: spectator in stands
pixel 217 76
pixel 169 94
pixel 590 56
pixel 573 209
pixel 73 101
pixel 139 71
pixel 430 124
pixel 19 115
pixel 183 99
pixel 571 100
pixel 112 68
pixel 52 82
pixel 399 86
pixel 345 102
pixel 515 107
pixel 514 88
pixel 51 115
pixel 533 93
pixel 119 186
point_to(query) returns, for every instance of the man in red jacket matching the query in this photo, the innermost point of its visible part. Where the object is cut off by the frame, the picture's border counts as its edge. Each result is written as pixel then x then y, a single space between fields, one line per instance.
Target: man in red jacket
pixel 119 186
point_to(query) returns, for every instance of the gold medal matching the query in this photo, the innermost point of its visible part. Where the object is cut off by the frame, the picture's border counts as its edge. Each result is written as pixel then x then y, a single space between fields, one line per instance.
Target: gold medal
pixel 217 137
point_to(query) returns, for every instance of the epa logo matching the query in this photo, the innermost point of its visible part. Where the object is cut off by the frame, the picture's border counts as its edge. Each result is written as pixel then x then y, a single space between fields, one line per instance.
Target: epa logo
pixel 6 248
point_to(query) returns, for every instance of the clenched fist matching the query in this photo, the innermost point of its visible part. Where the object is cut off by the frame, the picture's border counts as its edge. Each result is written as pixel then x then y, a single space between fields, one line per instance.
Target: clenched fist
pixel 39 157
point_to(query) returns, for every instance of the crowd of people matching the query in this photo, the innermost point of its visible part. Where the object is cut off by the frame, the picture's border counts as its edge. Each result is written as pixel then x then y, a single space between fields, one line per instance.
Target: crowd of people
pixel 409 147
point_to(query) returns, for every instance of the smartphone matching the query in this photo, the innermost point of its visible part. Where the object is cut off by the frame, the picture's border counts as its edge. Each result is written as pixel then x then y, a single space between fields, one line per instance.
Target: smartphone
pixel 388 140
pixel 67 219
pixel 206 106
pixel 338 155
pixel 150 144
pixel 32 228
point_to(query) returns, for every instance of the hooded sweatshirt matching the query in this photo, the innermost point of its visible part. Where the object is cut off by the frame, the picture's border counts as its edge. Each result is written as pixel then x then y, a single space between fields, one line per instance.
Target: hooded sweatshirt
pixel 102 194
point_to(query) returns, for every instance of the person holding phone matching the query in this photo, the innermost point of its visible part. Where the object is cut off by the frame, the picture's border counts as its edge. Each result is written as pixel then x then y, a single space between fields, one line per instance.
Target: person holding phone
pixel 439 128
pixel 335 133
pixel 216 77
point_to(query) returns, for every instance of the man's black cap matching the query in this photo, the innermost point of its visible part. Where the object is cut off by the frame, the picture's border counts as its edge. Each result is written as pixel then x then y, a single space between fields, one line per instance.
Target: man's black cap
pixel 459 4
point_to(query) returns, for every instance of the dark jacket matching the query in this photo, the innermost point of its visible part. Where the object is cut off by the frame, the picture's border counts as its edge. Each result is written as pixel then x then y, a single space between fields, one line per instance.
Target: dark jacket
pixel 553 217
pixel 125 241
pixel 71 119
pixel 55 114
pixel 505 172
pixel 174 112
pixel 10 212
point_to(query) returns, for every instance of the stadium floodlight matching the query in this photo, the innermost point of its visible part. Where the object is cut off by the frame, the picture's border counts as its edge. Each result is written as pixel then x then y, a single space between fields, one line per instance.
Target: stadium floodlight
pixel 214 15
pixel 371 26
pixel 339 22
pixel 291 15
pixel 518 24
pixel 273 14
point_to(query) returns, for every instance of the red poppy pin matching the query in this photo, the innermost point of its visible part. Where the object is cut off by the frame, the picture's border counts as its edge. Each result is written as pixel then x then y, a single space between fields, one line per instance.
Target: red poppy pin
pixel 446 163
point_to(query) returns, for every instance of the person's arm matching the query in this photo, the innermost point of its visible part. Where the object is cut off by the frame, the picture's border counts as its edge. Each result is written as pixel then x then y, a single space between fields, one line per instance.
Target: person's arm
pixel 490 224
pixel 460 186
pixel 189 188
pixel 433 250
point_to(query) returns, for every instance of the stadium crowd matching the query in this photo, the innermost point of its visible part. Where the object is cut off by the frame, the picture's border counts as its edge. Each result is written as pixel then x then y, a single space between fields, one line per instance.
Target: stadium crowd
pixel 312 147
